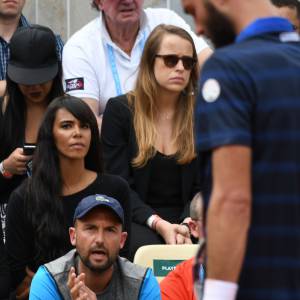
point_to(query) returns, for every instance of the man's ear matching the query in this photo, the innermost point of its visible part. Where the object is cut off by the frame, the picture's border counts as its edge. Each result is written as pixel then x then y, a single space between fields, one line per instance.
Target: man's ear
pixel 99 4
pixel 194 229
pixel 72 234
pixel 123 239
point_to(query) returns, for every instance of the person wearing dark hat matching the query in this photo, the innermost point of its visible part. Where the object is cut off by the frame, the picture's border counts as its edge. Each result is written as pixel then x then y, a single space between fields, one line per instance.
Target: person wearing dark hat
pixel 33 80
pixel 11 18
pixel 94 270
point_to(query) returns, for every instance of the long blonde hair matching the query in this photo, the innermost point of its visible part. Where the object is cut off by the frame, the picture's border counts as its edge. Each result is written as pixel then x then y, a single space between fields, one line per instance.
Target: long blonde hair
pixel 142 103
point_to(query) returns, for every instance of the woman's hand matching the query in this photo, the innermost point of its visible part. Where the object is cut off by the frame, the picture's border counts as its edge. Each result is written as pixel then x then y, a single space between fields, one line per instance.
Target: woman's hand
pixel 78 289
pixel 16 162
pixel 173 233
pixel 183 237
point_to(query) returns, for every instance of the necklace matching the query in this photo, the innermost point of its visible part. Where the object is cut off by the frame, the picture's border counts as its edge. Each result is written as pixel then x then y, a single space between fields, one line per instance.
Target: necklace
pixel 165 116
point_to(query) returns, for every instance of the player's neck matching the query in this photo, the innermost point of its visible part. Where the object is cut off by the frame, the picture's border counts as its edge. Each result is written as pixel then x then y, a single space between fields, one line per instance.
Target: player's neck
pixel 249 14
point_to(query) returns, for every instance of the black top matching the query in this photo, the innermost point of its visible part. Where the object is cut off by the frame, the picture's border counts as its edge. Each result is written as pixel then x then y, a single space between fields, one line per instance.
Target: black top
pixel 4 270
pixel 8 185
pixel 19 232
pixel 164 193
pixel 119 149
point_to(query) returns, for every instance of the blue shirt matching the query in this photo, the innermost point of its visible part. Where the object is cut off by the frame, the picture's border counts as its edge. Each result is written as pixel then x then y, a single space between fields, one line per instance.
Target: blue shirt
pixel 44 287
pixel 4 49
pixel 250 95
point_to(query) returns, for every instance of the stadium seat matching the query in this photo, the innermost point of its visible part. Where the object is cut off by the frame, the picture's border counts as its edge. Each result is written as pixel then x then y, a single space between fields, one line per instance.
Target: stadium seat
pixel 163 258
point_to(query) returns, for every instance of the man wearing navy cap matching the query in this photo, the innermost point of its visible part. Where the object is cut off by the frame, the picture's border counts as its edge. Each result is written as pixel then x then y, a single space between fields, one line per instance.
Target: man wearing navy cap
pixel 94 270
pixel 248 127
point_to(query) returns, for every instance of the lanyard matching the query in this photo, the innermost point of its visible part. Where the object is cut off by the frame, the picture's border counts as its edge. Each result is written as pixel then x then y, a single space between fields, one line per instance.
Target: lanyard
pixel 263 26
pixel 113 65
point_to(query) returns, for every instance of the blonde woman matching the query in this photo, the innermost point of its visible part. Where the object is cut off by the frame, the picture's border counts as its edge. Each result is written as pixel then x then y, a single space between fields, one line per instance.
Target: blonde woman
pixel 148 138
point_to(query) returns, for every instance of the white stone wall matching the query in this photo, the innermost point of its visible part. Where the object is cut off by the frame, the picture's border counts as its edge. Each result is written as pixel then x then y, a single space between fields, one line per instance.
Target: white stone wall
pixel 67 16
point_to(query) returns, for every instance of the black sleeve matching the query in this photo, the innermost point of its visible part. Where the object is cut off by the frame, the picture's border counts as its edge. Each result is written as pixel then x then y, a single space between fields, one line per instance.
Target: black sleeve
pixel 3 181
pixel 4 270
pixel 197 186
pixel 7 185
pixel 124 199
pixel 115 135
pixel 19 239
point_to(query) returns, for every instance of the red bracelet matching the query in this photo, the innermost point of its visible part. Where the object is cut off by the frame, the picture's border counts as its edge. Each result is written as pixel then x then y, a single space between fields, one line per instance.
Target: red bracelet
pixel 5 173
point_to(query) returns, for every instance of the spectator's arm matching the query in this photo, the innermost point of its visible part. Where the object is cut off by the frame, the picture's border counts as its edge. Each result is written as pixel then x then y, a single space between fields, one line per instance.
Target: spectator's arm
pixel 124 199
pixel 198 180
pixel 2 87
pixel 18 238
pixel 115 135
pixel 80 77
pixel 94 105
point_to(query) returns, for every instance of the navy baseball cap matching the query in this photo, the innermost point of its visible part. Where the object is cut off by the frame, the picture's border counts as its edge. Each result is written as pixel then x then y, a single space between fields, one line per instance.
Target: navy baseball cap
pixel 92 201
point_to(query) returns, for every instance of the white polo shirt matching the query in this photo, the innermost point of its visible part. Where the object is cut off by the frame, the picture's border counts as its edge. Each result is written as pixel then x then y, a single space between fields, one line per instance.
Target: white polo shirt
pixel 95 67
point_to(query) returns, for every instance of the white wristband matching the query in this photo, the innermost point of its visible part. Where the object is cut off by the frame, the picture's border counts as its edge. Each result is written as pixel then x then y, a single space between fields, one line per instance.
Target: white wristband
pixel 150 220
pixel 2 170
pixel 219 290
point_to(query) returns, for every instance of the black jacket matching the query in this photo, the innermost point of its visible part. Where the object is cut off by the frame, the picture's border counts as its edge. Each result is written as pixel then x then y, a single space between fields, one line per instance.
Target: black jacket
pixel 120 147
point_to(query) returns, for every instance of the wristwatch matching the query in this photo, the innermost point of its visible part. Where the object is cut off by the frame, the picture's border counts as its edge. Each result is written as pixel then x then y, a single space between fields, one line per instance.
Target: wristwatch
pixel 5 174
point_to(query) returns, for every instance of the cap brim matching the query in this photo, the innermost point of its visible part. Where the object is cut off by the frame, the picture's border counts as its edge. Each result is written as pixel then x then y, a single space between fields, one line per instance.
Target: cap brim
pixel 31 76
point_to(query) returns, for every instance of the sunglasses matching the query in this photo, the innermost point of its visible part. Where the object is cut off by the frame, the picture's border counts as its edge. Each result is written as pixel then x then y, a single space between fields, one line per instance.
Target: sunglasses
pixel 171 60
